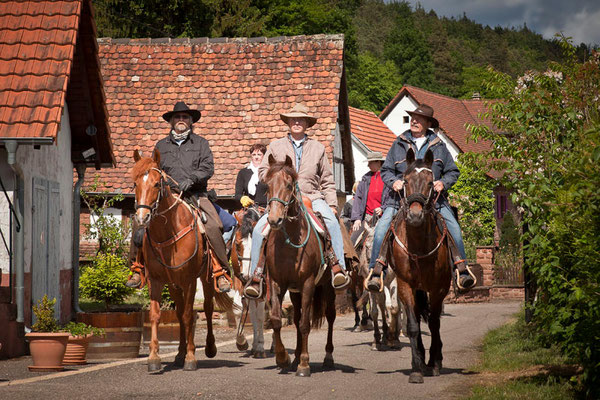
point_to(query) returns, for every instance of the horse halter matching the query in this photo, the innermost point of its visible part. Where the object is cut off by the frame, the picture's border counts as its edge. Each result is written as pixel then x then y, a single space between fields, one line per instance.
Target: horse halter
pixel 424 201
pixel 286 204
pixel 154 206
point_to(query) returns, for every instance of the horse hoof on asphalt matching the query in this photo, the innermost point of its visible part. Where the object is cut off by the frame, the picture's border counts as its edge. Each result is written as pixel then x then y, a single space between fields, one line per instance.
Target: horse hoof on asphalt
pixel 376 347
pixel 328 363
pixel 210 351
pixel 179 360
pixel 190 365
pixel 153 365
pixel 241 343
pixel 283 363
pixel 432 371
pixel 305 372
pixel 415 377
pixel 259 354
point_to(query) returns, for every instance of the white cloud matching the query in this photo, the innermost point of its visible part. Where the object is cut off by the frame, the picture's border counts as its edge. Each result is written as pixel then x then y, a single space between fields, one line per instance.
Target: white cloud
pixel 583 27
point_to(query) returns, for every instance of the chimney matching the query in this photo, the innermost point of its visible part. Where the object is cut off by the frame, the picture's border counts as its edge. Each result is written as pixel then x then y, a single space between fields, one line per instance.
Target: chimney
pixel 476 96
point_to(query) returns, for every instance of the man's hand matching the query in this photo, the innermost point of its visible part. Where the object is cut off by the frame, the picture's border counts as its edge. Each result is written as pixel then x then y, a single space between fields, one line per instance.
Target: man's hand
pixel 378 211
pixel 185 184
pixel 438 186
pixel 398 185
pixel 246 201
pixel 356 225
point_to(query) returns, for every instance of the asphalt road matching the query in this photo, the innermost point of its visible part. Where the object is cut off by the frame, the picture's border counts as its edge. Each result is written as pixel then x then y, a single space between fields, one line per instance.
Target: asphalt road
pixel 359 372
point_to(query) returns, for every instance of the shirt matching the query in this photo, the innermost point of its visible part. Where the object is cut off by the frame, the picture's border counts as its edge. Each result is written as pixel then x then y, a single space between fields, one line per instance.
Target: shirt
pixel 297 145
pixel 375 192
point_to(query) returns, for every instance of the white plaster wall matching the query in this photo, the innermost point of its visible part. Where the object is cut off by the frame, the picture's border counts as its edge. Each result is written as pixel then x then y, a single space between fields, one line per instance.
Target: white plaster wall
pixel 454 151
pixel 395 119
pixel 52 162
pixel 7 176
pixel 360 162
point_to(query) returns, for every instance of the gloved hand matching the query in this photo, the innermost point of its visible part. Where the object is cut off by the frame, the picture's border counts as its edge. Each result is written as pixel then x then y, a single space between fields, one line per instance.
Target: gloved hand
pixel 246 201
pixel 185 184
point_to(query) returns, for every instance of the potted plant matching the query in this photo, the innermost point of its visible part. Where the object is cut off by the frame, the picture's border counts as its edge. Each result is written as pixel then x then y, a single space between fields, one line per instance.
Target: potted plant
pixel 47 344
pixel 79 336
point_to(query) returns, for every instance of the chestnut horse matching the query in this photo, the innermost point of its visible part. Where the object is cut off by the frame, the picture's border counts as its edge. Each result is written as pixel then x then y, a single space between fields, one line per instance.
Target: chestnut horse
pixel 175 253
pixel 421 260
pixel 293 255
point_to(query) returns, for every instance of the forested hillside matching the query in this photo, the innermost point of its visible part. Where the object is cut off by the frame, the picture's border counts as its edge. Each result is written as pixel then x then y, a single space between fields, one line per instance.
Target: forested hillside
pixel 387 44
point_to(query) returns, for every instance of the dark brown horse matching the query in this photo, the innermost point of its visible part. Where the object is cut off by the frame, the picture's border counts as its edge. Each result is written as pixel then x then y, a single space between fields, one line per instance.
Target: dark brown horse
pixel 175 253
pixel 420 258
pixel 293 256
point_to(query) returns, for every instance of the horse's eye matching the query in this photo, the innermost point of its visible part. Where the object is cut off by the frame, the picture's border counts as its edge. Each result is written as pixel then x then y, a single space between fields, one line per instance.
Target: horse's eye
pixel 157 184
pixel 289 186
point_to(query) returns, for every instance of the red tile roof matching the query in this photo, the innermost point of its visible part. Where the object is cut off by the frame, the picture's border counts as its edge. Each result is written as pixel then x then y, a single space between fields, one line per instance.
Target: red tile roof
pixel 240 85
pixel 370 130
pixel 453 115
pixel 37 43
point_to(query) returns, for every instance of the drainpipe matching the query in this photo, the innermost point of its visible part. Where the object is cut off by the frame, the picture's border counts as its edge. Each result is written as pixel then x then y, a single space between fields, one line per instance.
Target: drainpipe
pixel 11 148
pixel 76 218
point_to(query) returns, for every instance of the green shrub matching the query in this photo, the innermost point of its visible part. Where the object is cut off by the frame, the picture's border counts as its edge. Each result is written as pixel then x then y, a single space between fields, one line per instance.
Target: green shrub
pixel 44 316
pixel 166 301
pixel 82 329
pixel 105 279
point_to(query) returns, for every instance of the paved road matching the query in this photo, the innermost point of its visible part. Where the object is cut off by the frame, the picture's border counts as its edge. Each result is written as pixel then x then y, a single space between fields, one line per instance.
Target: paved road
pixel 359 371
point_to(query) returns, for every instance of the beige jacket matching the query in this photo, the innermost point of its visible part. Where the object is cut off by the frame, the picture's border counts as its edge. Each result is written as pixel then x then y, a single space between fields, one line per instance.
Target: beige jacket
pixel 315 177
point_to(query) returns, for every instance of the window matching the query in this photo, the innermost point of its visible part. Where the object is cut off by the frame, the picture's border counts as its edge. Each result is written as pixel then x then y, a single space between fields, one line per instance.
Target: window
pixel 405 119
pixel 501 205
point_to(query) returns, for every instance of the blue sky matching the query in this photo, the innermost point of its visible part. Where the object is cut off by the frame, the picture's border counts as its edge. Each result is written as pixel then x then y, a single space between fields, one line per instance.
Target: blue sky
pixel 579 19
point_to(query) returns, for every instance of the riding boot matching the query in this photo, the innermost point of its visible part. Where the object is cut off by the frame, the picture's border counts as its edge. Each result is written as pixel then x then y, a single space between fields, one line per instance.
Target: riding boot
pixel 465 279
pixel 137 278
pixel 339 276
pixel 254 286
pixel 375 278
pixel 134 281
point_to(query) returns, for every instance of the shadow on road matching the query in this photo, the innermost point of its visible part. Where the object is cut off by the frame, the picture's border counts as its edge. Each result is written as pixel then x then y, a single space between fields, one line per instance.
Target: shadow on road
pixel 444 371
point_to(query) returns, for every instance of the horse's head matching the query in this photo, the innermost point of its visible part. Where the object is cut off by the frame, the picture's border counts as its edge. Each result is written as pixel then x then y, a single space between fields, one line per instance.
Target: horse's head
pixel 281 180
pixel 149 186
pixel 418 187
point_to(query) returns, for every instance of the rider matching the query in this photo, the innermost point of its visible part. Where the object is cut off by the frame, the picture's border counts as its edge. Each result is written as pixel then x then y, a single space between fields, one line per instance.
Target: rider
pixel 186 157
pixel 248 187
pixel 315 180
pixel 420 137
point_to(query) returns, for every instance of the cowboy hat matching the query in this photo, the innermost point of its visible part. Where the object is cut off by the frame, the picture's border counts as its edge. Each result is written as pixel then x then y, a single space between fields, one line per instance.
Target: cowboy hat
pixel 425 111
pixel 181 107
pixel 375 156
pixel 299 111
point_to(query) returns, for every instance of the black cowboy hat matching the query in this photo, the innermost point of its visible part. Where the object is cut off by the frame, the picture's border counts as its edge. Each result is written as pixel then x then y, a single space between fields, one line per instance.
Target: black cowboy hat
pixel 181 107
pixel 425 111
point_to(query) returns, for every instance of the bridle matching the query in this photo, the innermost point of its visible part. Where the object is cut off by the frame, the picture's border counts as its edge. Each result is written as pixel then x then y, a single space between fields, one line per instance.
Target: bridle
pixel 425 201
pixel 154 206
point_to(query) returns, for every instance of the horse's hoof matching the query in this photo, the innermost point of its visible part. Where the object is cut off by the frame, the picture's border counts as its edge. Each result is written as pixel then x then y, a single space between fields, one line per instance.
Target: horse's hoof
pixel 154 365
pixel 259 354
pixel 179 360
pixel 241 343
pixel 283 363
pixel 210 351
pixel 375 347
pixel 415 377
pixel 305 372
pixel 328 363
pixel 190 365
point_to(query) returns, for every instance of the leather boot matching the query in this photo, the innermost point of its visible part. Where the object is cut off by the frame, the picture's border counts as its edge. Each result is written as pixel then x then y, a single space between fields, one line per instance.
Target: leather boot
pixel 253 289
pixel 465 279
pixel 375 282
pixel 135 280
pixel 340 278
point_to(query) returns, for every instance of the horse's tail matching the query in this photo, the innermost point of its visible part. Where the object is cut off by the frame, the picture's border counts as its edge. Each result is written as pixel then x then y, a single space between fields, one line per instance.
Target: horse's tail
pixel 318 307
pixel 224 301
pixel 423 304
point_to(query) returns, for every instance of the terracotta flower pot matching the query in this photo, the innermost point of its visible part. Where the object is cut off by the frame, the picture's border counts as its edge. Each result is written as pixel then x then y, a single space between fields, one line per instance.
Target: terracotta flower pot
pixel 47 350
pixel 76 350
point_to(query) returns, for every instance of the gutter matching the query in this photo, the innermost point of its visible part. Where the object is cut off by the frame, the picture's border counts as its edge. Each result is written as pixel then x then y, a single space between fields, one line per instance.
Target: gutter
pixel 76 218
pixel 19 256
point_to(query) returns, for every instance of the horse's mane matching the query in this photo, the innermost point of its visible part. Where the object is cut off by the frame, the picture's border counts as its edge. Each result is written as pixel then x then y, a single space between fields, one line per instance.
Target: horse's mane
pixel 281 166
pixel 141 167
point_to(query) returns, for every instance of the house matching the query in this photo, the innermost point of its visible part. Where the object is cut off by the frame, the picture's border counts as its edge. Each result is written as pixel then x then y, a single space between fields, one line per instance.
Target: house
pixel 53 122
pixel 453 115
pixel 241 85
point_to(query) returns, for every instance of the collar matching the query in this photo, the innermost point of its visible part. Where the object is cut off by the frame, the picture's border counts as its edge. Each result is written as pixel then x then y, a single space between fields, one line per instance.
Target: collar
pixel 432 138
pixel 189 137
pixel 294 141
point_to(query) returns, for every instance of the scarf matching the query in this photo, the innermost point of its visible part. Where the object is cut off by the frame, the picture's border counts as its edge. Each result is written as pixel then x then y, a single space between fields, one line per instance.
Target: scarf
pixel 253 180
pixel 180 137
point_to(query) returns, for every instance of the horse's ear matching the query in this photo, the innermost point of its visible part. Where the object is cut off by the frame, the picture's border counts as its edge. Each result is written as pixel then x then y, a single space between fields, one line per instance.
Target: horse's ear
pixel 410 156
pixel 271 160
pixel 156 156
pixel 136 156
pixel 288 162
pixel 428 158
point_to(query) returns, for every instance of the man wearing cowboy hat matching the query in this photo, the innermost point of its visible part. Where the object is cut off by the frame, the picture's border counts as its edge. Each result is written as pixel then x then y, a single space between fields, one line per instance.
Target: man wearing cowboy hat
pixel 420 137
pixel 187 158
pixel 315 179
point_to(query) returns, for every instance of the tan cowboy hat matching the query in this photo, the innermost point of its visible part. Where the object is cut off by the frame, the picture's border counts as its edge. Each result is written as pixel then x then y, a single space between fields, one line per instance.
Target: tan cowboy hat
pixel 181 107
pixel 375 156
pixel 425 111
pixel 299 111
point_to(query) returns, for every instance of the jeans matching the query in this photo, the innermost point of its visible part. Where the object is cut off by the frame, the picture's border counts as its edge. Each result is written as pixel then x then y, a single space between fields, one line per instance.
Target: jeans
pixel 386 220
pixel 331 222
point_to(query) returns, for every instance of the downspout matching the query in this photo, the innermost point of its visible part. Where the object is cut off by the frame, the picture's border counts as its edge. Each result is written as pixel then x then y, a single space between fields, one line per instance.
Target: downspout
pixel 11 148
pixel 76 218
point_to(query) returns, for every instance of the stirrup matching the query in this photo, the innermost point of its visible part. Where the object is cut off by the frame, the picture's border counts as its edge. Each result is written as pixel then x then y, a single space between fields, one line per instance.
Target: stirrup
pixel 258 280
pixel 216 276
pixel 343 284
pixel 458 274
pixel 366 284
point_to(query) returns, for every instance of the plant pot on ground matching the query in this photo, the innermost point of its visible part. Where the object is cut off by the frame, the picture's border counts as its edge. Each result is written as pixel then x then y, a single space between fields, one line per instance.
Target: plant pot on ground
pixel 46 344
pixel 79 337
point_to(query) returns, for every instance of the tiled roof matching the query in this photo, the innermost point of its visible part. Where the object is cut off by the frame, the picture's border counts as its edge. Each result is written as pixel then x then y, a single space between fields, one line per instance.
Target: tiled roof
pixel 452 114
pixel 37 43
pixel 370 130
pixel 240 85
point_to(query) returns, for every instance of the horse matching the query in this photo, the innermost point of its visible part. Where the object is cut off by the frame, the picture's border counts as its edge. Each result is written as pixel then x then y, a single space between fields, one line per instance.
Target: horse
pixel 240 261
pixel 420 258
pixel 293 256
pixel 175 253
pixel 356 290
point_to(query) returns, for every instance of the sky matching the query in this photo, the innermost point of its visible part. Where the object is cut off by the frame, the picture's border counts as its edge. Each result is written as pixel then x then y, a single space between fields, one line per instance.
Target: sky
pixel 579 19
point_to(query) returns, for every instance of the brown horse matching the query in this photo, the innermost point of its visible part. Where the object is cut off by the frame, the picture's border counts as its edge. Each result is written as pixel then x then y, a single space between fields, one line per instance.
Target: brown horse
pixel 293 256
pixel 420 258
pixel 175 253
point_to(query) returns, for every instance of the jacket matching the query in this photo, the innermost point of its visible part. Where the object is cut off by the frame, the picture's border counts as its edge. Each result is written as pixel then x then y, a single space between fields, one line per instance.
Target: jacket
pixel 444 168
pixel 193 159
pixel 360 198
pixel 241 188
pixel 315 176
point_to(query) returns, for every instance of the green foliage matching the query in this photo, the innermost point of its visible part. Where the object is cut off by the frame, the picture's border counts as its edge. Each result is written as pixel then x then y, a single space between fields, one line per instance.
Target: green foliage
pixel 104 280
pixel 373 84
pixel 44 316
pixel 473 196
pixel 546 141
pixel 166 300
pixel 82 329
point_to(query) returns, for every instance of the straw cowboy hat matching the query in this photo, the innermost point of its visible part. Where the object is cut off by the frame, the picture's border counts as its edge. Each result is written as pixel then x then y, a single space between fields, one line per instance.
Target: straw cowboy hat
pixel 181 107
pixel 299 111
pixel 375 156
pixel 425 111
